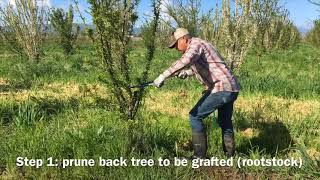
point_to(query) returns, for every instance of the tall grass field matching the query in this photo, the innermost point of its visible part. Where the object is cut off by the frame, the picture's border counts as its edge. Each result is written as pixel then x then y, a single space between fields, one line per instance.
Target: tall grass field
pixel 61 109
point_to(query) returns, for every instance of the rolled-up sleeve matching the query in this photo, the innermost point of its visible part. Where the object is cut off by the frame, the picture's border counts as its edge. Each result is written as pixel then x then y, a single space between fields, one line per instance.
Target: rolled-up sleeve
pixel 188 58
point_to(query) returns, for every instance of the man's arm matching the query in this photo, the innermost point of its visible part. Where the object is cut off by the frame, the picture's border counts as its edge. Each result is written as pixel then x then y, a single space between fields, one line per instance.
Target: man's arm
pixel 188 58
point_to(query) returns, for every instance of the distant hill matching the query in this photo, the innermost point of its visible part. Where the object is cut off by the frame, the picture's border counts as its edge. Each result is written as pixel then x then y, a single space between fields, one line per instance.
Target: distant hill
pixel 83 26
pixel 136 31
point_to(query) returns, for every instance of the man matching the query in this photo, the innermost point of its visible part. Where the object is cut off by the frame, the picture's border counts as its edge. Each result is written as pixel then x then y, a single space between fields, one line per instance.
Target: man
pixel 202 59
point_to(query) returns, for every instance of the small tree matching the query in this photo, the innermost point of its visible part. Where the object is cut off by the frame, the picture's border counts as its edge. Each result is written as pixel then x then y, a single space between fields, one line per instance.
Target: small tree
pixel 63 24
pixel 187 14
pixel 162 40
pixel 313 36
pixel 25 23
pixel 263 12
pixel 9 41
pixel 87 31
pixel 275 29
pixel 114 21
pixel 237 31
pixel 281 34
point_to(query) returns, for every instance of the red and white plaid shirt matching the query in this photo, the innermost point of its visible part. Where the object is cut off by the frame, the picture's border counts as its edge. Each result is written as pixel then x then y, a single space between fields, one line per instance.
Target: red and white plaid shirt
pixel 207 65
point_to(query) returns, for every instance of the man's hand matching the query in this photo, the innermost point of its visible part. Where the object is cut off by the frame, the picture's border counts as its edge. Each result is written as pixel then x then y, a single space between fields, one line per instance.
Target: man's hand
pixel 159 81
pixel 185 73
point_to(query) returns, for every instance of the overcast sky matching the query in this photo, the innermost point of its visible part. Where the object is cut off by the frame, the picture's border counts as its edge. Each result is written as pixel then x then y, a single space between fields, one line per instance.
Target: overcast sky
pixel 302 13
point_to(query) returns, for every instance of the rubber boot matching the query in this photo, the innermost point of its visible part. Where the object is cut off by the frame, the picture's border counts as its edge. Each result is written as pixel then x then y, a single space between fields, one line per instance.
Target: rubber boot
pixel 228 144
pixel 199 142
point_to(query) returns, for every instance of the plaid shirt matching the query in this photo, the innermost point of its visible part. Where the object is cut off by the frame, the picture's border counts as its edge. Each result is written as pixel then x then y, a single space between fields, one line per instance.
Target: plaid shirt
pixel 207 65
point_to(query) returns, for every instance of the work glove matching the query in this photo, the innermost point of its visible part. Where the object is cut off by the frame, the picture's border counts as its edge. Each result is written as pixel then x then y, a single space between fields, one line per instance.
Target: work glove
pixel 182 75
pixel 185 73
pixel 159 81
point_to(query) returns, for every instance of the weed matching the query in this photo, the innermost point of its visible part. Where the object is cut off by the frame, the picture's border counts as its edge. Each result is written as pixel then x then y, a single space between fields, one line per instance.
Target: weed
pixel 28 114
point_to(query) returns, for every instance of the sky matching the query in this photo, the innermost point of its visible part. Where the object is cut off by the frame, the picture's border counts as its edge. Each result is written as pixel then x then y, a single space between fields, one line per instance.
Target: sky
pixel 302 13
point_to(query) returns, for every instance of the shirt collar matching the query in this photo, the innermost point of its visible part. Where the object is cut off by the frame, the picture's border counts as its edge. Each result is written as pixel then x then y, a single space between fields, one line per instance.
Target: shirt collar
pixel 189 44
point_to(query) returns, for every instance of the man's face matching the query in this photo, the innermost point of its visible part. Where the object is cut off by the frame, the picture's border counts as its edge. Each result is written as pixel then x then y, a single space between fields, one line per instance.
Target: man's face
pixel 182 44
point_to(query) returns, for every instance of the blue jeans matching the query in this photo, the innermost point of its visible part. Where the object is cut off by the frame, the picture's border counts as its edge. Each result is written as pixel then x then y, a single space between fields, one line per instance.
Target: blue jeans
pixel 209 102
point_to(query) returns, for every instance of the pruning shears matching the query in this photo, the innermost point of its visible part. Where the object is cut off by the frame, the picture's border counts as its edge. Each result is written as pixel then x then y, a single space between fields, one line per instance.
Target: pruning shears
pixel 150 83
pixel 143 85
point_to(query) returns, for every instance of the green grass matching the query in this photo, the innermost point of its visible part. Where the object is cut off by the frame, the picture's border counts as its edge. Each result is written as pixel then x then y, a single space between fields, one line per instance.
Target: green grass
pixel 58 108
pixel 291 74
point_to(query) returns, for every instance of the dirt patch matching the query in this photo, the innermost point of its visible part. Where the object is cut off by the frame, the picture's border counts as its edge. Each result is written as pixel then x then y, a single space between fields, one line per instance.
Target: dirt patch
pixel 179 103
pixel 313 153
pixel 304 108
pixel 249 132
pixel 171 103
pixel 3 81
pixel 4 86
pixel 61 91
pixel 272 107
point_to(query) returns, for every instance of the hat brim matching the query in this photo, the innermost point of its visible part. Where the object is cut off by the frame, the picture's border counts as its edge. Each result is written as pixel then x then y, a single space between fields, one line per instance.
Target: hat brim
pixel 173 44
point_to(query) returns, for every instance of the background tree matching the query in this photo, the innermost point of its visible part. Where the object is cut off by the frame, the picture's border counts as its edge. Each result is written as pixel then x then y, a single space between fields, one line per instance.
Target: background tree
pixel 234 28
pixel 25 22
pixel 275 30
pixel 225 29
pixel 313 36
pixel 114 22
pixel 237 31
pixel 63 24
pixel 162 40
pixel 187 14
pixel 9 41
pixel 87 30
